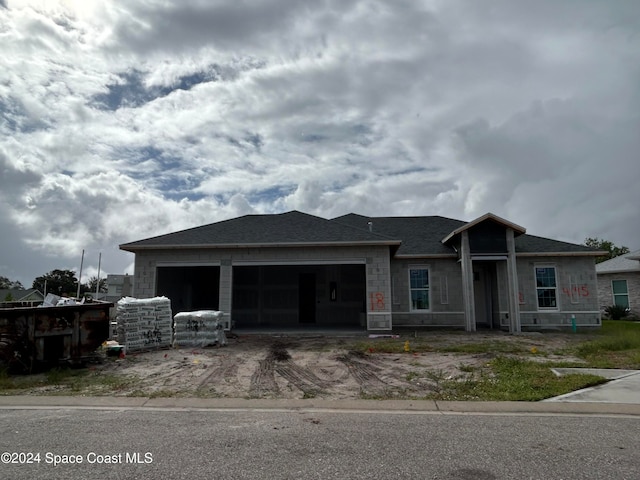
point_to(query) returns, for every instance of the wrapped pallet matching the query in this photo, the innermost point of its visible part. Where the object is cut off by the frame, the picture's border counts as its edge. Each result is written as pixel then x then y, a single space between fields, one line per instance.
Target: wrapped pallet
pixel 143 323
pixel 198 329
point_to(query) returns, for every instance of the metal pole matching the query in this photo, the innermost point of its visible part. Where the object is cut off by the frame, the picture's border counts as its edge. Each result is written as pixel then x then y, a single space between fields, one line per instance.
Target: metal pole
pixel 98 282
pixel 80 275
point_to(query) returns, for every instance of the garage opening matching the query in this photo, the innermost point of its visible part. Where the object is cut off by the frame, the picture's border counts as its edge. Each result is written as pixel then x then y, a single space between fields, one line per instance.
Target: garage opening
pixel 299 296
pixel 189 288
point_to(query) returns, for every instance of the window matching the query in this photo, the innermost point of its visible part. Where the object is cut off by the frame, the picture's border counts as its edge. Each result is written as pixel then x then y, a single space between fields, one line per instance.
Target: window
pixel 546 287
pixel 419 287
pixel 620 293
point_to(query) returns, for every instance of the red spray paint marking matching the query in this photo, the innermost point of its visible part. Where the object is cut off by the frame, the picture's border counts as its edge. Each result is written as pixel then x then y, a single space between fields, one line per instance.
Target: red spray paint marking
pixel 377 301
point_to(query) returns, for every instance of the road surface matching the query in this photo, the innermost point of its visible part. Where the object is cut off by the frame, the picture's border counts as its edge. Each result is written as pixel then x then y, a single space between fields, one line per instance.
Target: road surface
pixel 122 443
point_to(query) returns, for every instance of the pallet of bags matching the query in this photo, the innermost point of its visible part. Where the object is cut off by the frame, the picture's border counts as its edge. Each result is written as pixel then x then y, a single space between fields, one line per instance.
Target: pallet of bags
pixel 198 329
pixel 143 323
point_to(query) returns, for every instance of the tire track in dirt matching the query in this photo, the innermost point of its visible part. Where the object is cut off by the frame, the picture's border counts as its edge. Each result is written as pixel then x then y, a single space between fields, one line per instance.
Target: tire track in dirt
pixel 365 373
pixel 278 360
pixel 300 377
pixel 263 381
pixel 226 372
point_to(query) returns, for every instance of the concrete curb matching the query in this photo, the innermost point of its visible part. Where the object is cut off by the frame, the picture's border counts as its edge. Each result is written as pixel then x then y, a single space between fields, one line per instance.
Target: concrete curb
pixel 373 406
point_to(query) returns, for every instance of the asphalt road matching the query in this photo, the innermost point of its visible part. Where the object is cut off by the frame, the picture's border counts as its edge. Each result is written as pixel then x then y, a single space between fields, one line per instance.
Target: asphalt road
pixel 193 444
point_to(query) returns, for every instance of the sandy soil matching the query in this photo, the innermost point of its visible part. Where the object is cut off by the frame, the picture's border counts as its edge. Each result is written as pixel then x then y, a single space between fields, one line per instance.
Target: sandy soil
pixel 254 366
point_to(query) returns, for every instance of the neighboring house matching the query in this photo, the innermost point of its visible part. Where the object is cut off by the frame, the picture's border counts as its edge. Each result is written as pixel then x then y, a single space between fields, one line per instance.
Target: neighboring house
pixel 118 286
pixel 21 297
pixel 299 270
pixel 619 281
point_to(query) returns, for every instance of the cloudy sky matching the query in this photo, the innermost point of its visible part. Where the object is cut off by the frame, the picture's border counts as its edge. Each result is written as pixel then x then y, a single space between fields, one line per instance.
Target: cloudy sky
pixel 120 120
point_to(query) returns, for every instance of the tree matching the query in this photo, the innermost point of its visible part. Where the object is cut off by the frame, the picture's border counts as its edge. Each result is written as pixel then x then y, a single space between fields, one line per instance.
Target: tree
pixel 59 282
pixel 6 284
pixel 90 287
pixel 601 244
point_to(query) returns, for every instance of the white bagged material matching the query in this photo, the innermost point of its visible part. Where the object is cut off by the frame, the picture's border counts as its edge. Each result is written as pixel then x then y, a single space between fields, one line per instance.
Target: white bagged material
pixel 143 323
pixel 198 329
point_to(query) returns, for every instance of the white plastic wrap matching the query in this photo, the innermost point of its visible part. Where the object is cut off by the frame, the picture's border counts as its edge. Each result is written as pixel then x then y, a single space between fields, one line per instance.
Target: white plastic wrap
pixel 198 329
pixel 143 323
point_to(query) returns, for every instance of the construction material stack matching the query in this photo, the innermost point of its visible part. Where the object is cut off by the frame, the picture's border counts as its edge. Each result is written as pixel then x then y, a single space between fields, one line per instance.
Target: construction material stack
pixel 198 329
pixel 143 323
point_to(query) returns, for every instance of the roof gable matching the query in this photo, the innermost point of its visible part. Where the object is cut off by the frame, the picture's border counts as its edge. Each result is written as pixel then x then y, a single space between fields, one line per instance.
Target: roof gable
pixel 487 217
pixel 19 295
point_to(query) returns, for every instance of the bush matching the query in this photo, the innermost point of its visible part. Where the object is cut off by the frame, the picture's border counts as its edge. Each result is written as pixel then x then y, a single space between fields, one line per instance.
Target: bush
pixel 616 312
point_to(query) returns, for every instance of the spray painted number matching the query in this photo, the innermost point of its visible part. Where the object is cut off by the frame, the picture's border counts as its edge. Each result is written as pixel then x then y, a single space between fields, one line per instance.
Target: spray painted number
pixel 577 290
pixel 377 301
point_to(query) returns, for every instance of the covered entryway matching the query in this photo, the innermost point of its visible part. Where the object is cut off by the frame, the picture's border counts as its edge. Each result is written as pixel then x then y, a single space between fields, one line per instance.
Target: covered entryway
pixel 299 296
pixel 189 287
pixel 485 292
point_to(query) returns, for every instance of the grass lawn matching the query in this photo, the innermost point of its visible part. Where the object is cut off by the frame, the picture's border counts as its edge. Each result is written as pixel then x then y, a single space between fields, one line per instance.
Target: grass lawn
pixel 513 374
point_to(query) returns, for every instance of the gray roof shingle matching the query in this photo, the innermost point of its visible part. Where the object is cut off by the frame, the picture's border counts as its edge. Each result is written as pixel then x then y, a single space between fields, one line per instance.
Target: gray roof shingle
pixel 622 263
pixel 420 235
pixel 279 229
pixel 415 236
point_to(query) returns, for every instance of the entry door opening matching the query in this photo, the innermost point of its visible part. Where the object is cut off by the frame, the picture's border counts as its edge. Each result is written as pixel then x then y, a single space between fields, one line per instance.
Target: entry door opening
pixel 484 292
pixel 307 298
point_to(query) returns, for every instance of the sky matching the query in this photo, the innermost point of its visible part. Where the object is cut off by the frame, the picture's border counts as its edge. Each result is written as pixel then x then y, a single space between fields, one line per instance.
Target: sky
pixel 122 120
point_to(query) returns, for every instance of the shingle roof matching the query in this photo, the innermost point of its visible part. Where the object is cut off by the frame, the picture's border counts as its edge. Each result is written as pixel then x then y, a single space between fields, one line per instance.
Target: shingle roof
pixel 420 235
pixel 624 263
pixel 291 228
pixel 531 244
pixel 18 294
pixel 424 235
pixel 415 236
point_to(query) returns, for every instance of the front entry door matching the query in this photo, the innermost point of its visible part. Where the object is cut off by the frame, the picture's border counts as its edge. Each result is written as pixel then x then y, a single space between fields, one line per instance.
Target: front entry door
pixel 307 298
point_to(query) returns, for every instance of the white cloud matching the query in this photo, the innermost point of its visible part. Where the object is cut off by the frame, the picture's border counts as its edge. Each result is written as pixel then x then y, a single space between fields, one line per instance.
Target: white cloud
pixel 123 120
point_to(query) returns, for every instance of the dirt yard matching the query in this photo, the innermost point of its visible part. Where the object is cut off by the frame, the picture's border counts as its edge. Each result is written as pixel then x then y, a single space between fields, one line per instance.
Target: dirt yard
pixel 253 366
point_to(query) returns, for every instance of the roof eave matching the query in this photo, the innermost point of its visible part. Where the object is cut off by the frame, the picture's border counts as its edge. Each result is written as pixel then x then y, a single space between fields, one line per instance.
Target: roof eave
pixel 560 254
pixel 425 255
pixel 607 272
pixel 135 248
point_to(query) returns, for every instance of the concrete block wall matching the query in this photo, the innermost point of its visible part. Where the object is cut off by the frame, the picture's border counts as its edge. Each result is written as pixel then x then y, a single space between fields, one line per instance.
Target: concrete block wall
pixel 577 292
pixel 376 259
pixel 445 293
pixel 605 290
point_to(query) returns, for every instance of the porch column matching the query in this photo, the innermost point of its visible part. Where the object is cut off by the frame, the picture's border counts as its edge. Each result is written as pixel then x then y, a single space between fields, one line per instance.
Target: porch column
pixel 467 283
pixel 225 294
pixel 512 284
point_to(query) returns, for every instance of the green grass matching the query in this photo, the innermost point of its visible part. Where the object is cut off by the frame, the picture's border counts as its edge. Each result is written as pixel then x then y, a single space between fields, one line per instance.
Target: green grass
pixel 617 345
pixel 484 347
pixel 65 381
pixel 512 379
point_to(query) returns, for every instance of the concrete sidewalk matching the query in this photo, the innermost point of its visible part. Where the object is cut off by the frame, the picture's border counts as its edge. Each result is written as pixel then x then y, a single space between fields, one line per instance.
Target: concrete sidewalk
pixel 318 405
pixel 624 387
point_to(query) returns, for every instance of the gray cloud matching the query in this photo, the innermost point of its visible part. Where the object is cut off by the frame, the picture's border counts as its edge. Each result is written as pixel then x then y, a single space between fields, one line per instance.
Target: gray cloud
pixel 126 120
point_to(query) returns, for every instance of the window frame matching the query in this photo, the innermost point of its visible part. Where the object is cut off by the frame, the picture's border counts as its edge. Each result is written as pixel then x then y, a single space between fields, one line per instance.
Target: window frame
pixel 426 268
pixel 614 295
pixel 554 288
